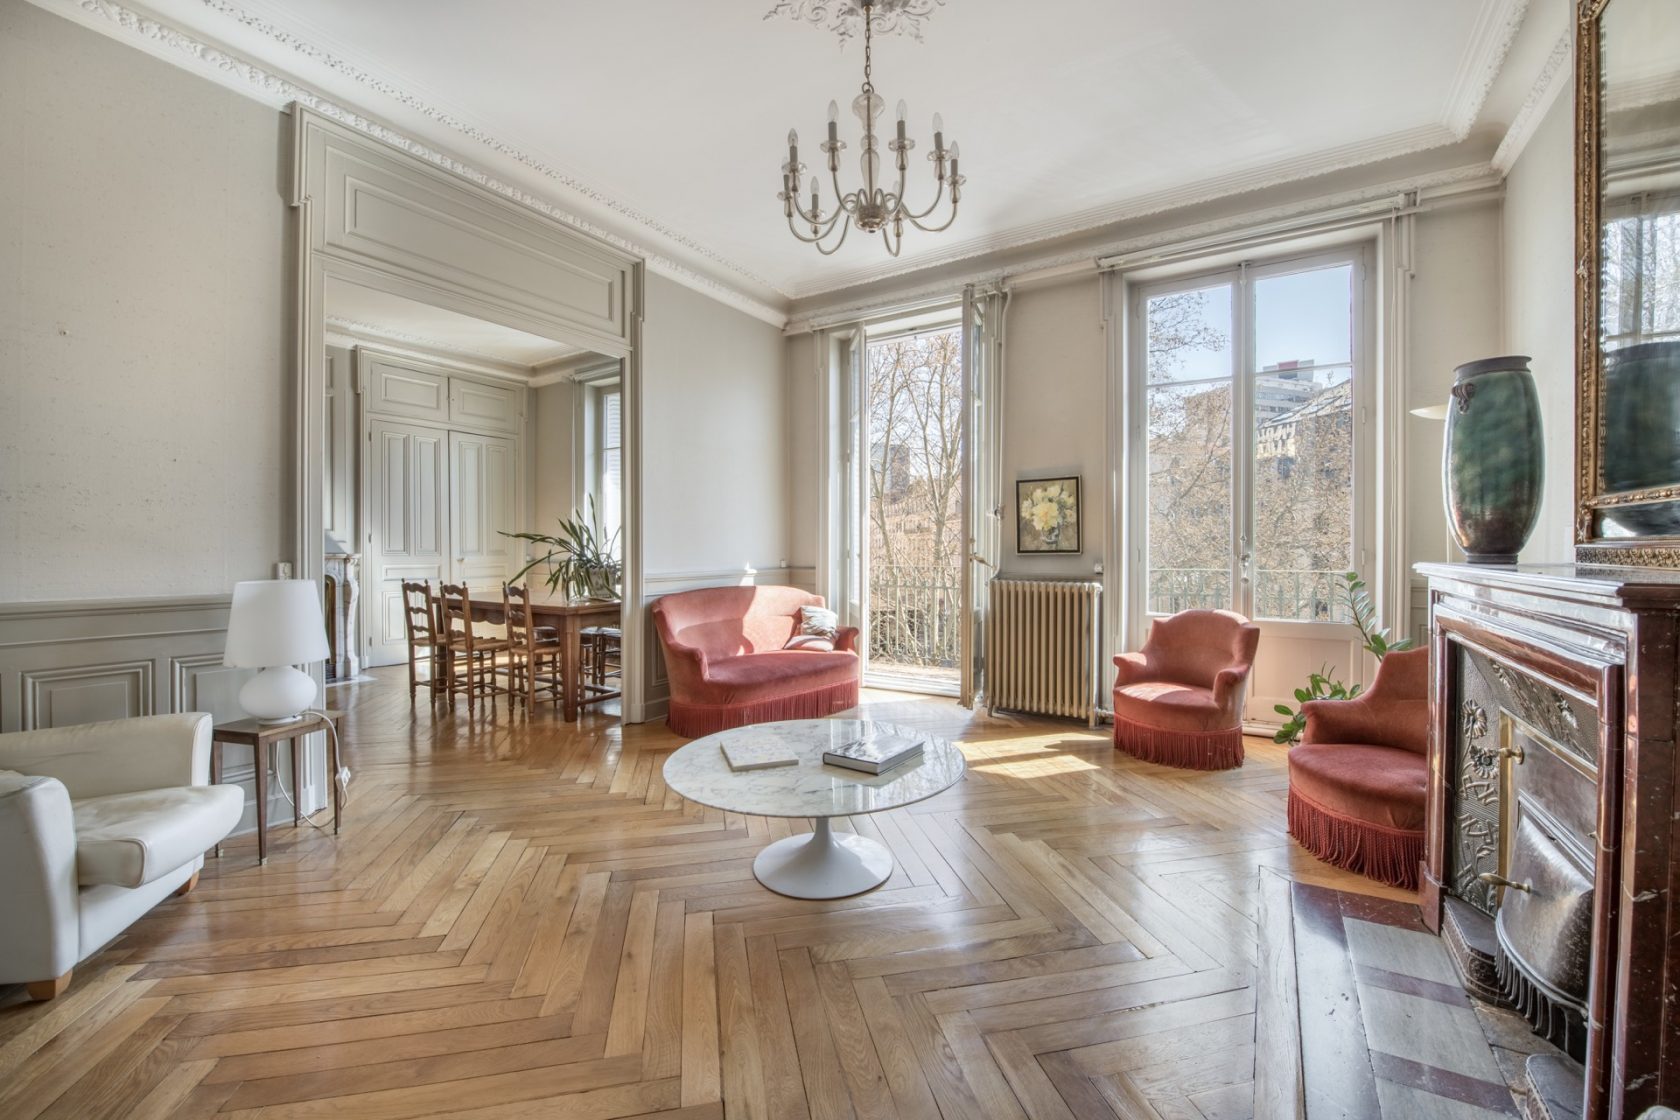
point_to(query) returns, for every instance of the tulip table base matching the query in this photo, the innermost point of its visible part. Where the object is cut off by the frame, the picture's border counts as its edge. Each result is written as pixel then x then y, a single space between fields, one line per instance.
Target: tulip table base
pixel 823 864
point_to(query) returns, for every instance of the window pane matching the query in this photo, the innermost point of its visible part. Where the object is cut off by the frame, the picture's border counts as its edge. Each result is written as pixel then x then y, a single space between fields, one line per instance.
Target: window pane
pixel 1304 319
pixel 611 405
pixel 1189 497
pixel 1187 335
pixel 1303 445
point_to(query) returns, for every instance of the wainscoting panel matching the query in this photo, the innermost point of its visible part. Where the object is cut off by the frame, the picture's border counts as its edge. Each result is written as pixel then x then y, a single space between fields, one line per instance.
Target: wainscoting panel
pixel 85 694
pixel 82 662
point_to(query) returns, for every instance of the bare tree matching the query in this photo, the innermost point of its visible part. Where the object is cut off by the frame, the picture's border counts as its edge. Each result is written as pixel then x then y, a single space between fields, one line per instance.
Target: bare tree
pixel 914 395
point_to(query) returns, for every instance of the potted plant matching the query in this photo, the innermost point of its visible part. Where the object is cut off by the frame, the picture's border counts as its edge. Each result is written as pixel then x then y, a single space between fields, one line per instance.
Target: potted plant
pixel 1321 685
pixel 581 557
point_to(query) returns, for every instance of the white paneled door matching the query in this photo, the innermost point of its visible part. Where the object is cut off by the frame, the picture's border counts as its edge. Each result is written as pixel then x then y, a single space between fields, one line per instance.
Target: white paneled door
pixel 436 504
pixel 481 508
pixel 408 527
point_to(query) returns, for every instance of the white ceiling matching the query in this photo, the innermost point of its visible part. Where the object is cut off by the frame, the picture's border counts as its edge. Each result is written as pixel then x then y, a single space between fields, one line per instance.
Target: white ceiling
pixel 663 120
pixel 371 315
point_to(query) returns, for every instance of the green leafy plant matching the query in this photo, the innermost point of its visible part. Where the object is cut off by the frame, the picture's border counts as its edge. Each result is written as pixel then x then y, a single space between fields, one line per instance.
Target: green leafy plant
pixel 1375 640
pixel 581 557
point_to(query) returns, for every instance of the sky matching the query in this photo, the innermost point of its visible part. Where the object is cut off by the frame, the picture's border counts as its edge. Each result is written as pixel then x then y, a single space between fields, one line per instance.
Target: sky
pixel 1300 316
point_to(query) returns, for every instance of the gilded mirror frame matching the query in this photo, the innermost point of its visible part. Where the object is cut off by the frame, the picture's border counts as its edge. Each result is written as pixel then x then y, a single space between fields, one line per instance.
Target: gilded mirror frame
pixel 1591 497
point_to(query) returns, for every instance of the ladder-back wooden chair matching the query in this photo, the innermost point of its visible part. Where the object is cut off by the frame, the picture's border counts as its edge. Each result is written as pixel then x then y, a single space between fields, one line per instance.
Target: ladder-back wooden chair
pixel 472 656
pixel 534 658
pixel 603 664
pixel 420 619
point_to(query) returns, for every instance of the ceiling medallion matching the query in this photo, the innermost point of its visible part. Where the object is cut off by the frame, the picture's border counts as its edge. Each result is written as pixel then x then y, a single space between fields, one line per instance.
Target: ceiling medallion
pixel 845 17
pixel 870 208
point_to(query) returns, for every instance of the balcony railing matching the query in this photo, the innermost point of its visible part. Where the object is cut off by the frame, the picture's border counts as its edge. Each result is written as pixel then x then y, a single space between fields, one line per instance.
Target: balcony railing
pixel 913 617
pixel 1297 595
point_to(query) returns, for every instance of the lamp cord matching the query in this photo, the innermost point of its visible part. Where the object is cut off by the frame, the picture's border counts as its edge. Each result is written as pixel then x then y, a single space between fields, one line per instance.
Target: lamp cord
pixel 342 777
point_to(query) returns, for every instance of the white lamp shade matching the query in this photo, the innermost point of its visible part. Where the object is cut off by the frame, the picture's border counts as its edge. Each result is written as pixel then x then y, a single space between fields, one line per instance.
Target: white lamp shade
pixel 275 622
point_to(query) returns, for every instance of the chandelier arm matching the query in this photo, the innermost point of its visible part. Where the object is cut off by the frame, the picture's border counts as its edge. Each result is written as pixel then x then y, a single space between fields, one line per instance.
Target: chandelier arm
pixel 892 247
pixel 845 228
pixel 813 239
pixel 814 217
pixel 937 229
pixel 938 197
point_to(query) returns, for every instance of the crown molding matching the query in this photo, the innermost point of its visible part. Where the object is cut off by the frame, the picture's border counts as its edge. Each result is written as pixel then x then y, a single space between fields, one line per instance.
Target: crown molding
pixel 1496 26
pixel 146 31
pixel 1072 263
pixel 343 331
pixel 1490 41
pixel 1247 181
pixel 1553 77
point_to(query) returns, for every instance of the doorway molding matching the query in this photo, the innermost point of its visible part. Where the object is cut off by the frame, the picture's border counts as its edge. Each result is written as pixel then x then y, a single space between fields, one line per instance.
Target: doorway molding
pixel 375 215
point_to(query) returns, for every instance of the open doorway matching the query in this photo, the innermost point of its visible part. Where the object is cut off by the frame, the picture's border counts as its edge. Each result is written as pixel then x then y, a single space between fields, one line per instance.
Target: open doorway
pixel 915 539
pixel 445 435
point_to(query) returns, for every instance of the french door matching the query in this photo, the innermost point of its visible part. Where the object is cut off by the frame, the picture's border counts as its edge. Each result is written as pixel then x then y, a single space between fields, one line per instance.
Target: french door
pixel 1250 390
pixel 921 428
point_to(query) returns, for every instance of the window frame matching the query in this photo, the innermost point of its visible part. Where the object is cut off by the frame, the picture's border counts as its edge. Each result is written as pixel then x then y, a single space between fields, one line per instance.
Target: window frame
pixel 1243 275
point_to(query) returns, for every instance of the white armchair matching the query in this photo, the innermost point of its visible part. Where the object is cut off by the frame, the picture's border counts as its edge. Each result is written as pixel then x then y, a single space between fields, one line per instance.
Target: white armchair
pixel 99 822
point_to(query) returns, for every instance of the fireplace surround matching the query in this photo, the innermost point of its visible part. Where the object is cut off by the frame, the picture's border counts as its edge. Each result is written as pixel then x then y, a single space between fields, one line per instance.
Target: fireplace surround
pixel 1552 812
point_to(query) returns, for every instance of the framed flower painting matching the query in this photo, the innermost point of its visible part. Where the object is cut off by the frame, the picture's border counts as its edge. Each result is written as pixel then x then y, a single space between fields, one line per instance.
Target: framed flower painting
pixel 1047 514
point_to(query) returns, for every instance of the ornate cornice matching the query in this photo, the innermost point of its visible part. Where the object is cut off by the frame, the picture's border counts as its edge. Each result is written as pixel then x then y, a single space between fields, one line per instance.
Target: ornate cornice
pixel 844 18
pixel 1496 28
pixel 1548 83
pixel 824 315
pixel 278 90
pixel 1160 202
pixel 1482 62
pixel 355 331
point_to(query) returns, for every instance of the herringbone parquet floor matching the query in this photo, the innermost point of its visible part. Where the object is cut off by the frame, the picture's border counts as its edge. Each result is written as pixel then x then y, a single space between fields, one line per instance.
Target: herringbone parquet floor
pixel 519 920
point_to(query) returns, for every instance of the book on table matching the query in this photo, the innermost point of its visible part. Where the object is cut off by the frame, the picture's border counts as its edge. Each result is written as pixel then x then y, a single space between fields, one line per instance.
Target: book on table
pixel 741 755
pixel 874 753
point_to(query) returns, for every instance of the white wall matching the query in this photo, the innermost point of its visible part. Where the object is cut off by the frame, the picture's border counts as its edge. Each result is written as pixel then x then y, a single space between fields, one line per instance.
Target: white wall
pixel 145 403
pixel 1538 258
pixel 552 431
pixel 714 487
pixel 1455 318
pixel 1055 415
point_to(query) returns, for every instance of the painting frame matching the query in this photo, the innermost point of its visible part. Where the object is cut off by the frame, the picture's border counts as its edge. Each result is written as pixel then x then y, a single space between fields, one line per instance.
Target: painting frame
pixel 1032 536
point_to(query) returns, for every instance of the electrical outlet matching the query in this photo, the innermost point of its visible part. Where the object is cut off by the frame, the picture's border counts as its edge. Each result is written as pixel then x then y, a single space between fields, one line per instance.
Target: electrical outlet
pixel 282 569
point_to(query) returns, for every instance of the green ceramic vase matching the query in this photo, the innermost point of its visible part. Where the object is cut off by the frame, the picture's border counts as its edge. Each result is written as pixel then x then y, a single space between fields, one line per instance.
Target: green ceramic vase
pixel 1493 466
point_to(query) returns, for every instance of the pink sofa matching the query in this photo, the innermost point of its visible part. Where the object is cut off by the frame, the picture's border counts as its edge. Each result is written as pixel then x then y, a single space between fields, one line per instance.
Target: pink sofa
pixel 727 667
pixel 1179 700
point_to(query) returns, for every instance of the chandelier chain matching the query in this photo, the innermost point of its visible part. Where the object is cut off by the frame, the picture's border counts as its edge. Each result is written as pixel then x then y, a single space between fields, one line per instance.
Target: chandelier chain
pixel 868 47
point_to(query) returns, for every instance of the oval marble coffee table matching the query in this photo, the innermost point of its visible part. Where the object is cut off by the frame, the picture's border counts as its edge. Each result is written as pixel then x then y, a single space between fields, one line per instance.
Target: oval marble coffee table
pixel 822 863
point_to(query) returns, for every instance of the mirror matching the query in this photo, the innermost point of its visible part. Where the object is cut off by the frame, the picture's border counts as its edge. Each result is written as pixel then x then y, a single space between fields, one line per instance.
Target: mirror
pixel 1628 285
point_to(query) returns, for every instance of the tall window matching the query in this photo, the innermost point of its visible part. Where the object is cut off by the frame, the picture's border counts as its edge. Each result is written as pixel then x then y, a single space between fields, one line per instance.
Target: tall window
pixel 913 385
pixel 606 457
pixel 1249 387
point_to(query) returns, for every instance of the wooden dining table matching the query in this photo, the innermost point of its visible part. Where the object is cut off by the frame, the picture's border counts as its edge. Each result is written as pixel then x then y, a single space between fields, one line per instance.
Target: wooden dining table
pixel 569 618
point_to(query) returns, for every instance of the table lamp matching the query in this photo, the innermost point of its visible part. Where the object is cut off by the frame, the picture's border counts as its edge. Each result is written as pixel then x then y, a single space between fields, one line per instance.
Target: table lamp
pixel 276 626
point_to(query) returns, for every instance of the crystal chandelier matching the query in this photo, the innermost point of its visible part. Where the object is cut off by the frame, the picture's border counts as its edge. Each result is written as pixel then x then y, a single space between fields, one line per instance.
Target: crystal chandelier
pixel 870 207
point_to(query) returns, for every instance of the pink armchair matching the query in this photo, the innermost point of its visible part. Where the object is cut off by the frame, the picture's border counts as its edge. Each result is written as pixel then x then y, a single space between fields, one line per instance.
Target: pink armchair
pixel 1358 781
pixel 1179 700
pixel 727 667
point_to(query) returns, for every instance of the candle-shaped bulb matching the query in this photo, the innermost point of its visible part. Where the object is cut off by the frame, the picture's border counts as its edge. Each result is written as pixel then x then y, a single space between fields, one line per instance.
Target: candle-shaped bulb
pixel 793 138
pixel 956 152
pixel 903 110
pixel 938 124
pixel 833 111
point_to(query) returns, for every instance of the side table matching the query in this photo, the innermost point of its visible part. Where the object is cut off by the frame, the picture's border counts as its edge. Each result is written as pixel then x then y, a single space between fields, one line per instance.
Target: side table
pixel 259 737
